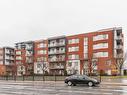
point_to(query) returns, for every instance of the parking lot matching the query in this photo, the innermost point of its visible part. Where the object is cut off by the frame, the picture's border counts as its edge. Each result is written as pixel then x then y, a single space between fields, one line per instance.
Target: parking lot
pixel 57 88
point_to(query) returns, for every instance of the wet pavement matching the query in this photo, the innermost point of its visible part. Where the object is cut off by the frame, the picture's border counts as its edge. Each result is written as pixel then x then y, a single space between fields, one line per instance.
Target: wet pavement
pixel 59 88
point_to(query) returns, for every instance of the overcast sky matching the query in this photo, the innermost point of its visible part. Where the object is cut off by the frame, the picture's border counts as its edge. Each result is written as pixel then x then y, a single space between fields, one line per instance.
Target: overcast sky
pixel 22 20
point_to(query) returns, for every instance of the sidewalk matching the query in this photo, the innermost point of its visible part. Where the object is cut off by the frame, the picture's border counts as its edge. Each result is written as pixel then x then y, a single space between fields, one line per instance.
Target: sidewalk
pixel 62 82
pixel 113 84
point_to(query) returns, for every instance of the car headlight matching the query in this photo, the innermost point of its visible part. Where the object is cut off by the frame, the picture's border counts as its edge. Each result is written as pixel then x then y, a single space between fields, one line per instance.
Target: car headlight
pixel 94 80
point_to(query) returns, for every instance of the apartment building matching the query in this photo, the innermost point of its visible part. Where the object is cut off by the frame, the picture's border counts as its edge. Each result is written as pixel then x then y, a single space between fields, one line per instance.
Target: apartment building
pixel 7 61
pixel 93 52
pixel 25 57
pixel 87 53
pixel 41 65
pixel 57 55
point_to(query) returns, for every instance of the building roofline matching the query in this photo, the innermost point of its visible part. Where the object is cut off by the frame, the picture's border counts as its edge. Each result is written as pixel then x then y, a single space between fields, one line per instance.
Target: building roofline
pixel 101 30
pixel 57 37
pixel 108 29
pixel 8 47
pixel 40 40
pixel 24 42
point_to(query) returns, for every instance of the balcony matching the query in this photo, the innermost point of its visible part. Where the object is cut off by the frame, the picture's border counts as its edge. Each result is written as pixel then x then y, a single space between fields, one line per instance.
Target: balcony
pixel 9 52
pixel 29 60
pixel 9 63
pixel 9 58
pixel 61 51
pixel 118 37
pixel 56 59
pixel 52 45
pixel 29 47
pixel 56 52
pixel 62 44
pixel 119 47
pixel 56 45
pixel 118 55
pixel 56 67
pixel 29 54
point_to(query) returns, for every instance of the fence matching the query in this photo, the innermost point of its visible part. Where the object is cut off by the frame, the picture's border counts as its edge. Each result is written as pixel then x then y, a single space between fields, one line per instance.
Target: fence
pixel 33 78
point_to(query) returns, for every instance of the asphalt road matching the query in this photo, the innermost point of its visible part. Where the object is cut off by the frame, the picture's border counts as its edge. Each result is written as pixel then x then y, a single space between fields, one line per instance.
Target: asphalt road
pixel 57 88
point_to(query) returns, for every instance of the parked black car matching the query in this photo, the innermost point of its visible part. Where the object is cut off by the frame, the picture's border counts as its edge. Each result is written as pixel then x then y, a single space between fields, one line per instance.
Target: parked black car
pixel 81 79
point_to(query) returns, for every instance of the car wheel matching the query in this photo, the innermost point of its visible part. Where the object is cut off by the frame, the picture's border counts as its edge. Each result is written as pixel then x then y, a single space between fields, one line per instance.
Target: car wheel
pixel 90 84
pixel 69 83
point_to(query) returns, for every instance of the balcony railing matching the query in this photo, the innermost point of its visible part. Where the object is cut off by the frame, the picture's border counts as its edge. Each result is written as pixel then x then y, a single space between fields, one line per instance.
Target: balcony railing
pixel 116 55
pixel 29 54
pixel 57 59
pixel 56 44
pixel 119 46
pixel 29 61
pixel 56 52
pixel 56 67
pixel 29 48
pixel 118 37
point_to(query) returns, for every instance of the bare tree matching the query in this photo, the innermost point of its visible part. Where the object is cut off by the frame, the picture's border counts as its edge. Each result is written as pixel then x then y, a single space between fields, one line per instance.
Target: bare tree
pixel 119 62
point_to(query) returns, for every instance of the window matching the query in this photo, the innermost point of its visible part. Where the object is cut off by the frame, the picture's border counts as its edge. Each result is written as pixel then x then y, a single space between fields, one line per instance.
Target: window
pixel 100 37
pixel 85 55
pixel 69 64
pixel 85 49
pixel 41 45
pixel 85 41
pixel 1 62
pixel 18 52
pixel 62 41
pixel 94 64
pixel 76 40
pixel 73 56
pixel 1 57
pixel 18 62
pixel 86 64
pixel 18 58
pixel 100 54
pixel 62 49
pixel 108 62
pixel 76 64
pixel 69 56
pixel 100 45
pixel 73 41
pixel 70 41
pixel 1 51
pixel 41 52
pixel 76 56
pixel 70 49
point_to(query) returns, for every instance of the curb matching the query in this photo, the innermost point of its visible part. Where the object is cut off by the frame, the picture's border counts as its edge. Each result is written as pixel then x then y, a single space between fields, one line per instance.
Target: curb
pixel 114 84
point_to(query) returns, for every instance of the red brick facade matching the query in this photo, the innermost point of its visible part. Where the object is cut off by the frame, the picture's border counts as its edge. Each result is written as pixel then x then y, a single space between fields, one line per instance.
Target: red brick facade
pixel 40 56
pixel 88 53
pixel 101 62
